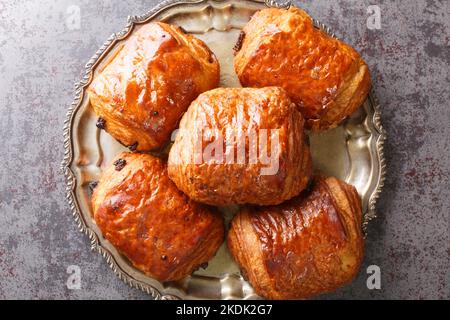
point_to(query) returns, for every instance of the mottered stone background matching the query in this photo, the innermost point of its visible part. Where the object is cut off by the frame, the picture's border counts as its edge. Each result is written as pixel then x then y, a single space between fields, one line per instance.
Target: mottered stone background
pixel 42 54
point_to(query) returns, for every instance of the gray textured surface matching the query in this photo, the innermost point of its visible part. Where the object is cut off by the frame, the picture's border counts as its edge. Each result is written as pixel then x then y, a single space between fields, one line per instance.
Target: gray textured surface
pixel 41 58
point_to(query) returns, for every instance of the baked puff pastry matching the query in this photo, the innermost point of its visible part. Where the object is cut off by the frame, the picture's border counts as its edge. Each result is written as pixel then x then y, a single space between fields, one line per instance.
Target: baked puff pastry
pixel 326 78
pixel 309 245
pixel 241 145
pixel 159 229
pixel 144 89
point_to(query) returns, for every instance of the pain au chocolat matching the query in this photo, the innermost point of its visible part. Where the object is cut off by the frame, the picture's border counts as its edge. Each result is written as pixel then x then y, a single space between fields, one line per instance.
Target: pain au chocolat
pixel 326 78
pixel 241 145
pixel 309 245
pixel 143 90
pixel 159 229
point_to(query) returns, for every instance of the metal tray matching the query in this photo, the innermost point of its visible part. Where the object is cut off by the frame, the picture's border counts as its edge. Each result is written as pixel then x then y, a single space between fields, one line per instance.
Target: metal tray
pixel 352 152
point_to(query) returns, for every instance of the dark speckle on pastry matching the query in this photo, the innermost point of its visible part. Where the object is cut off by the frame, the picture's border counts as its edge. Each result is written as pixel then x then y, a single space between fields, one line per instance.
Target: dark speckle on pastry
pixel 92 185
pixel 133 147
pixel 119 164
pixel 239 42
pixel 101 123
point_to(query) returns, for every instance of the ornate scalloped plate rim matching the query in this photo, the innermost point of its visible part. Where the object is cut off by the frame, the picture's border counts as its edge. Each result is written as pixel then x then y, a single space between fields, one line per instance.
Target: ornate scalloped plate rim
pixel 80 87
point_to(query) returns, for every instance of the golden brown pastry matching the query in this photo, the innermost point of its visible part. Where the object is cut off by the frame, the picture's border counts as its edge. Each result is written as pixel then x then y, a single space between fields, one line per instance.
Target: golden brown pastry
pixel 309 245
pixel 142 92
pixel 241 145
pixel 326 78
pixel 141 212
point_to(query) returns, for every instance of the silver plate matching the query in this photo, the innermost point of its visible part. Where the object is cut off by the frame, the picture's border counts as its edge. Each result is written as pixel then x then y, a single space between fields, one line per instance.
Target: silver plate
pixel 352 152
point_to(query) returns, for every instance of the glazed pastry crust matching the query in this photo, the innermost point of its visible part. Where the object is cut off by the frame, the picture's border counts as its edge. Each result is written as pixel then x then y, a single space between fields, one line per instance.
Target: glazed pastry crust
pixel 144 89
pixel 326 78
pixel 241 110
pixel 309 245
pixel 160 230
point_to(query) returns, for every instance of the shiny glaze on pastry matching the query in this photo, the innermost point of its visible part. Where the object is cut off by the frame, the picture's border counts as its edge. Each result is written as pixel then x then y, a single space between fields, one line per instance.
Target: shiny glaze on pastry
pixel 142 92
pixel 309 245
pixel 159 229
pixel 249 113
pixel 326 78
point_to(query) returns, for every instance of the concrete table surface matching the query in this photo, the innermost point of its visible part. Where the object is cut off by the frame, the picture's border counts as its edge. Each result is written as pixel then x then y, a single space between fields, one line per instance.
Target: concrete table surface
pixel 43 48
